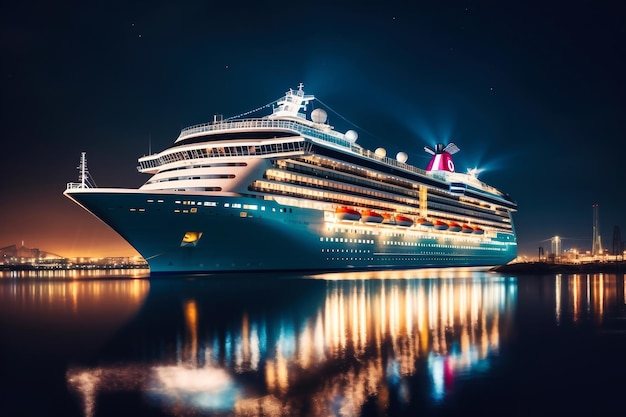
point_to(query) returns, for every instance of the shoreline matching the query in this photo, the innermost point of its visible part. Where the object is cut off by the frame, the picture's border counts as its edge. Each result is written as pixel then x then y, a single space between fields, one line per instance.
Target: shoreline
pixel 562 268
pixel 517 267
pixel 75 267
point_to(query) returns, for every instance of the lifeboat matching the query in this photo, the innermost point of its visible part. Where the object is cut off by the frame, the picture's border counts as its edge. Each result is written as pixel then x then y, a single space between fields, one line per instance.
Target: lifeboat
pixel 440 225
pixel 369 216
pixel 403 220
pixel 388 218
pixel 478 230
pixel 346 213
pixel 424 222
pixel 466 228
pixel 454 227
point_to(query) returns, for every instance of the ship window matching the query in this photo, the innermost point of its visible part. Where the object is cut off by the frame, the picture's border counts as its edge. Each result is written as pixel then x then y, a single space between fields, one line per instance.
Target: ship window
pixel 190 239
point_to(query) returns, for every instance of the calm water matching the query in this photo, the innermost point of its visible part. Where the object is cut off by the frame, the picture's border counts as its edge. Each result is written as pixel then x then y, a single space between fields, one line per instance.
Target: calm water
pixel 426 343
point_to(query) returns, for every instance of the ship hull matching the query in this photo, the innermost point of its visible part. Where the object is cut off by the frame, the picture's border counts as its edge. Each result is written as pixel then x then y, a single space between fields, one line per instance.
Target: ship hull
pixel 186 233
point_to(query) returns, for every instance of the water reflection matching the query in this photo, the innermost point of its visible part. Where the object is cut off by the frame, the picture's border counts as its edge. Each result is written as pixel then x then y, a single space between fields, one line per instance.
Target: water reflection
pixel 585 296
pixel 308 347
pixel 65 315
pixel 65 274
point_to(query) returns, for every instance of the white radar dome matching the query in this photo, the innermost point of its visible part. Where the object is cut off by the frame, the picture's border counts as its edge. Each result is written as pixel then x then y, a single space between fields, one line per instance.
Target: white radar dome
pixel 381 152
pixel 319 116
pixel 402 157
pixel 351 136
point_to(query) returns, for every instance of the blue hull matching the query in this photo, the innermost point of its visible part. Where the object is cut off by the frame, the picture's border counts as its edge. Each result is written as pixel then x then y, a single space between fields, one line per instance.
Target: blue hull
pixel 190 233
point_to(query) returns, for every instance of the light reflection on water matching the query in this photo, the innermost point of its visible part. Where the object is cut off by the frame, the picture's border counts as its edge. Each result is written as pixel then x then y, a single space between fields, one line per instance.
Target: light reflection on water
pixel 586 295
pixel 67 315
pixel 369 343
pixel 361 342
pixel 63 274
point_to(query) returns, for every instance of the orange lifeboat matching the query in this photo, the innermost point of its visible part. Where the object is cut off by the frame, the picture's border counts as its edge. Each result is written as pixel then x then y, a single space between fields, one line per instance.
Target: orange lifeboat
pixel 424 222
pixel 440 225
pixel 454 227
pixel 371 216
pixel 466 228
pixel 388 218
pixel 403 220
pixel 478 230
pixel 346 213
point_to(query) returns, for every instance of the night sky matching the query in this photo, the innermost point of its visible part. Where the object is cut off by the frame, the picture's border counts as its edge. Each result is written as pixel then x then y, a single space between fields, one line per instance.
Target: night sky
pixel 532 92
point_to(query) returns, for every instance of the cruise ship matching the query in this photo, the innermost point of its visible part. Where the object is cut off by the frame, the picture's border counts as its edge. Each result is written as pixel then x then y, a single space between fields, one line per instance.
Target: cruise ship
pixel 288 192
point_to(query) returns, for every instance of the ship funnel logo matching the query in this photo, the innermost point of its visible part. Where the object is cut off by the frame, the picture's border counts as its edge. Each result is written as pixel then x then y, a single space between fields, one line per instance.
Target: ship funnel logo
pixel 442 157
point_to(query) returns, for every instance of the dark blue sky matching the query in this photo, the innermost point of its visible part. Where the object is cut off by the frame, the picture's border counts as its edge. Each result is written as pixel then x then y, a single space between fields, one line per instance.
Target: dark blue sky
pixel 532 92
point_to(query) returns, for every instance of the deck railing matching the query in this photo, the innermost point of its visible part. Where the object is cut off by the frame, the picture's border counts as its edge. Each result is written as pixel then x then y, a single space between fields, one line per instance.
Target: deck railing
pixel 247 124
pixel 75 185
pixel 335 138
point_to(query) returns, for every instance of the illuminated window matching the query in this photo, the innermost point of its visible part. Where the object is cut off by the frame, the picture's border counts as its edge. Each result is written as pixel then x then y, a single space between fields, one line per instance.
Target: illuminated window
pixel 190 239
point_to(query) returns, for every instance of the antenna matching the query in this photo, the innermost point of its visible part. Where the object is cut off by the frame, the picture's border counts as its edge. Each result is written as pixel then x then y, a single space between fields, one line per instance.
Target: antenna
pixel 82 170
pixel 84 178
pixel 596 244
